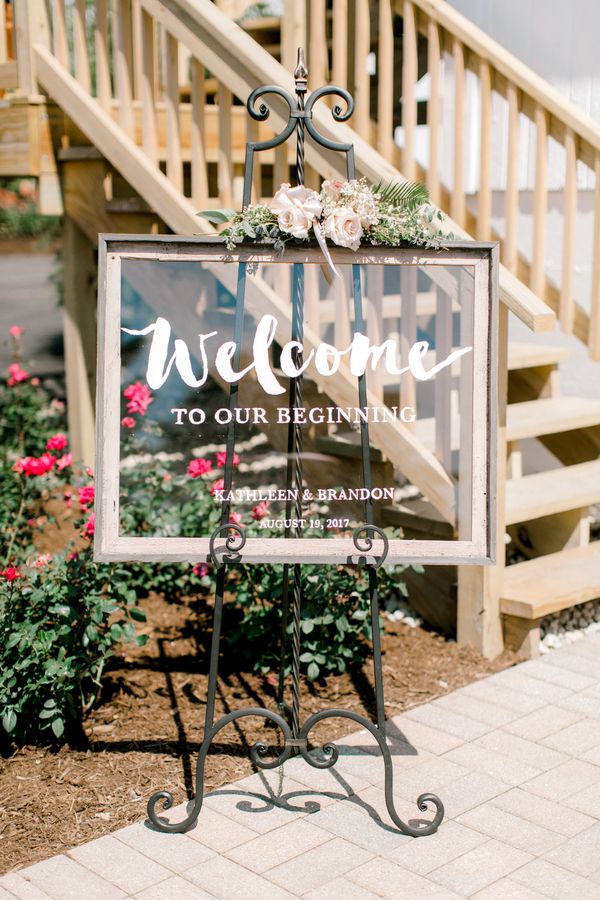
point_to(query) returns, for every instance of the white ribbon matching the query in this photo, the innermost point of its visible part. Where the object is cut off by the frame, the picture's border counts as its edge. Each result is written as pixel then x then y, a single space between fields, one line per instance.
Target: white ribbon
pixel 325 249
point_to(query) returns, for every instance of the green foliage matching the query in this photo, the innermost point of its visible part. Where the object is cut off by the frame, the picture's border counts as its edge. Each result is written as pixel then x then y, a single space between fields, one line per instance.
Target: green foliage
pixel 335 624
pixel 58 627
pixel 61 615
pixel 406 195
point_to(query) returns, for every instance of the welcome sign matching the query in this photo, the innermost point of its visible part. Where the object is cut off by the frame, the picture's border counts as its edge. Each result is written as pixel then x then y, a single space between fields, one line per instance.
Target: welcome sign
pixel 197 352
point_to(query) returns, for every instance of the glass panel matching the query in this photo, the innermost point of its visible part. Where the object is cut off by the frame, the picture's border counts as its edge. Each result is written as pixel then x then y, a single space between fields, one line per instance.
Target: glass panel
pixel 177 341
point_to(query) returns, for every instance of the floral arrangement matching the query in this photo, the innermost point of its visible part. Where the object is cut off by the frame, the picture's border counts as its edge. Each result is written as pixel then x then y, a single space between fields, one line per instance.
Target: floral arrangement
pixel 347 213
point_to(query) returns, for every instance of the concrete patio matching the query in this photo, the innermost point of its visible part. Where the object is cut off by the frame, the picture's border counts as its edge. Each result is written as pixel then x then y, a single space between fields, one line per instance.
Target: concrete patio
pixel 514 757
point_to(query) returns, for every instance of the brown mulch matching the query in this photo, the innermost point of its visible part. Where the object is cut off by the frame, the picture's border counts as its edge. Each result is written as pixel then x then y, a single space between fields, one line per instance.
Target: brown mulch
pixel 145 733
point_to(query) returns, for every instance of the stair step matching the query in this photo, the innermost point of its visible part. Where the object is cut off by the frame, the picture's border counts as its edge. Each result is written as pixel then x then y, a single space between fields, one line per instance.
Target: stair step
pixel 346 445
pixel 550 416
pixel 550 583
pixel 418 515
pixel 522 355
pixel 554 491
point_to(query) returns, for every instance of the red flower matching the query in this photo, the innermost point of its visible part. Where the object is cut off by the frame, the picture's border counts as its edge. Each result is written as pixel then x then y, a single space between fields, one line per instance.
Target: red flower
pixel 222 459
pixel 197 467
pixel 201 569
pixel 57 442
pixel 16 374
pixel 64 461
pixel 10 573
pixel 139 396
pixel 128 422
pixel 235 518
pixel 31 465
pixel 16 331
pixel 217 485
pixel 90 525
pixel 85 495
pixel 260 510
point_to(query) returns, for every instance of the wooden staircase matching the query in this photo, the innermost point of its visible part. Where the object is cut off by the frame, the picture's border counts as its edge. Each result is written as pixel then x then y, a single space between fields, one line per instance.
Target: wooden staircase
pixel 160 134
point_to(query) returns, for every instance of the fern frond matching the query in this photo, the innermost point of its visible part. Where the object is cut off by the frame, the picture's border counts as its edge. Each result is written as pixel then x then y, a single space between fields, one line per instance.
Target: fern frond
pixel 406 195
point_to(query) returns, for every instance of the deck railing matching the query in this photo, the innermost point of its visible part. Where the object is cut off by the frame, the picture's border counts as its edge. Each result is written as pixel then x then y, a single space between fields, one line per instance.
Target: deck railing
pixel 422 73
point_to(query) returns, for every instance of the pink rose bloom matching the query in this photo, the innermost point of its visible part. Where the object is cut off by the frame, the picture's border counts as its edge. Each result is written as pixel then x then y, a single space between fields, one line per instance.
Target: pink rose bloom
pixel 16 331
pixel 64 461
pixel 201 569
pixel 11 573
pixel 42 560
pixel 16 374
pixel 222 459
pixel 57 442
pixel 85 495
pixel 73 557
pixel 260 510
pixel 198 467
pixel 89 472
pixel 128 422
pixel 90 525
pixel 296 209
pixel 31 465
pixel 217 485
pixel 35 382
pixel 167 477
pixel 235 518
pixel 139 396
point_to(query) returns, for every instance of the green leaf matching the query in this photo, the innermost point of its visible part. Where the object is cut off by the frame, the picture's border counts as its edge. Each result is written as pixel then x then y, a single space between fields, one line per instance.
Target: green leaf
pixel 58 727
pixel 307 657
pixel 50 704
pixel 407 195
pixel 138 614
pixel 312 671
pixel 9 720
pixel 307 625
pixel 141 640
pixel 217 216
pixel 248 229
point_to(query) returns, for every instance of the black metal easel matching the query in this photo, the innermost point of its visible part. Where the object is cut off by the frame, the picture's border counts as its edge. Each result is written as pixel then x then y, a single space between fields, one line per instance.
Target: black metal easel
pixel 295 736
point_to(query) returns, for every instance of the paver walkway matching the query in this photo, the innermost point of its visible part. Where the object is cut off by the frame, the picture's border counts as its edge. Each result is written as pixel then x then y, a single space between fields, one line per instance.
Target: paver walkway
pixel 514 757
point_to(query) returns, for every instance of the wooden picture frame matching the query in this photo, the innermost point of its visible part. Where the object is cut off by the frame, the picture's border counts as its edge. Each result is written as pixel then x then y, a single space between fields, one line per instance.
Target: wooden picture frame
pixel 474 541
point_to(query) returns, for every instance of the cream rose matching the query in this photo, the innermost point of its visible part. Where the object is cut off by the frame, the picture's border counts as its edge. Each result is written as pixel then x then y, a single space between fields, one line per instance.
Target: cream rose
pixel 343 227
pixel 296 209
pixel 332 189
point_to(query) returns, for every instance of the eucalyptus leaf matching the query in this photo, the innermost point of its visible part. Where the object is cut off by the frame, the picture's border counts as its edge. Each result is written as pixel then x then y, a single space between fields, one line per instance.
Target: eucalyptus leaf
pixel 217 216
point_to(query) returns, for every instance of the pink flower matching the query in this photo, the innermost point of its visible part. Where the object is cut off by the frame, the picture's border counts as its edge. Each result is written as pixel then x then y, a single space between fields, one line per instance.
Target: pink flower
pixel 73 557
pixel 31 465
pixel 222 459
pixel 260 510
pixel 90 525
pixel 128 422
pixel 167 476
pixel 10 573
pixel 296 208
pixel 201 569
pixel 16 374
pixel 68 498
pixel 197 467
pixel 64 461
pixel 89 472
pixel 42 560
pixel 85 495
pixel 35 382
pixel 57 442
pixel 16 331
pixel 139 396
pixel 217 485
pixel 235 518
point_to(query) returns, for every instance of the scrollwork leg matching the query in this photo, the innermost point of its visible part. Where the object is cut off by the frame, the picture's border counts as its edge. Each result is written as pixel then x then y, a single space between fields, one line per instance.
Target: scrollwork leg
pixel 424 801
pixel 258 753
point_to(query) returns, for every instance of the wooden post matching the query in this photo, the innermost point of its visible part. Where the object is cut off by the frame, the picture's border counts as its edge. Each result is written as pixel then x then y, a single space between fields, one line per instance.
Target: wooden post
pixel 293 31
pixel 79 273
pixel 479 622
pixel 31 27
